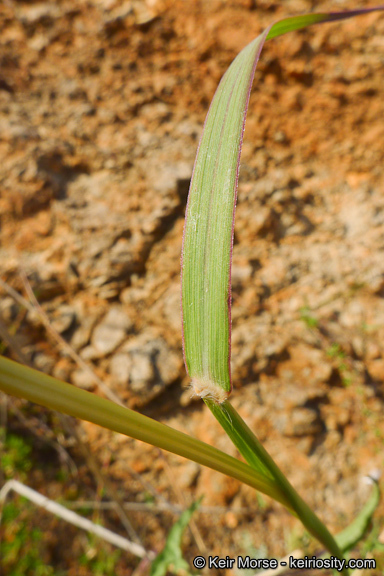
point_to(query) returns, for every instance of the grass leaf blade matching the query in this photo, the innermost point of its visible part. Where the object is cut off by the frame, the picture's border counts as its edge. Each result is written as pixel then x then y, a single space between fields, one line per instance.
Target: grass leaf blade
pixel 208 231
pixel 24 382
pixel 170 559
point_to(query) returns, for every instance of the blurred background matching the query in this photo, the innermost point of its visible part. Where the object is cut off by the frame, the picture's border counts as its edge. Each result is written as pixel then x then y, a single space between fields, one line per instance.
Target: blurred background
pixel 102 103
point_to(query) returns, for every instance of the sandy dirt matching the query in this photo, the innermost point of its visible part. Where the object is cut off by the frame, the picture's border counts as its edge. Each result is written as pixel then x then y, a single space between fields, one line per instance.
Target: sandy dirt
pixel 102 105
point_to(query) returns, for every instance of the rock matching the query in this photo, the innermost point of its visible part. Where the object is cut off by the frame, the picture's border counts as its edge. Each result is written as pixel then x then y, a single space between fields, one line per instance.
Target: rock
pixel 376 370
pixel 82 334
pixel 44 363
pixel 62 369
pixel 295 407
pixel 306 364
pixel 121 368
pixel 91 353
pixel 252 351
pixel 373 351
pixel 299 422
pixel 83 379
pixel 336 413
pixel 275 273
pixel 169 307
pixel 8 309
pixel 42 13
pixel 189 473
pixel 111 331
pixel 167 178
pixel 335 416
pixel 146 365
pixel 63 318
pixel 241 273
pixel 287 397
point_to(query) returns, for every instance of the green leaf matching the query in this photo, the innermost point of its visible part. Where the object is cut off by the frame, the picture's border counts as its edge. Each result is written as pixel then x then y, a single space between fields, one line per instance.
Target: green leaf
pixel 35 386
pixel 255 454
pixel 356 530
pixel 171 557
pixel 208 231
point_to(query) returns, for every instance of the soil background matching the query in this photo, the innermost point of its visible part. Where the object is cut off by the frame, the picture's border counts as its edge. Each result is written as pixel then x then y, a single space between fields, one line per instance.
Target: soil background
pixel 102 104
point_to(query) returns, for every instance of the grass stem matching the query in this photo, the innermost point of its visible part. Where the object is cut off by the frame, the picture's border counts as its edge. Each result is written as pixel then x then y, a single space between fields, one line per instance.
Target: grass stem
pixel 256 455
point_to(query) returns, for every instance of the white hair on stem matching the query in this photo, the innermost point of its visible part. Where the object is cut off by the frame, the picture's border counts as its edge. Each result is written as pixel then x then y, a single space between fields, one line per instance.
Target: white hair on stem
pixel 206 388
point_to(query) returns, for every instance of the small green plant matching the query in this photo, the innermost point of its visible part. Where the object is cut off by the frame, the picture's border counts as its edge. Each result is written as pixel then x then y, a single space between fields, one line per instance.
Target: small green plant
pixel 100 560
pixel 21 547
pixel 337 353
pixel 206 300
pixel 308 318
pixel 254 552
pixel 373 547
pixel 171 558
pixel 15 457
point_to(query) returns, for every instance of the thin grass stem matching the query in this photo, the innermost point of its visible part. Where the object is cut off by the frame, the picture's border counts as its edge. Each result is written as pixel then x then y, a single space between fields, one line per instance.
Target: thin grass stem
pixel 256 455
